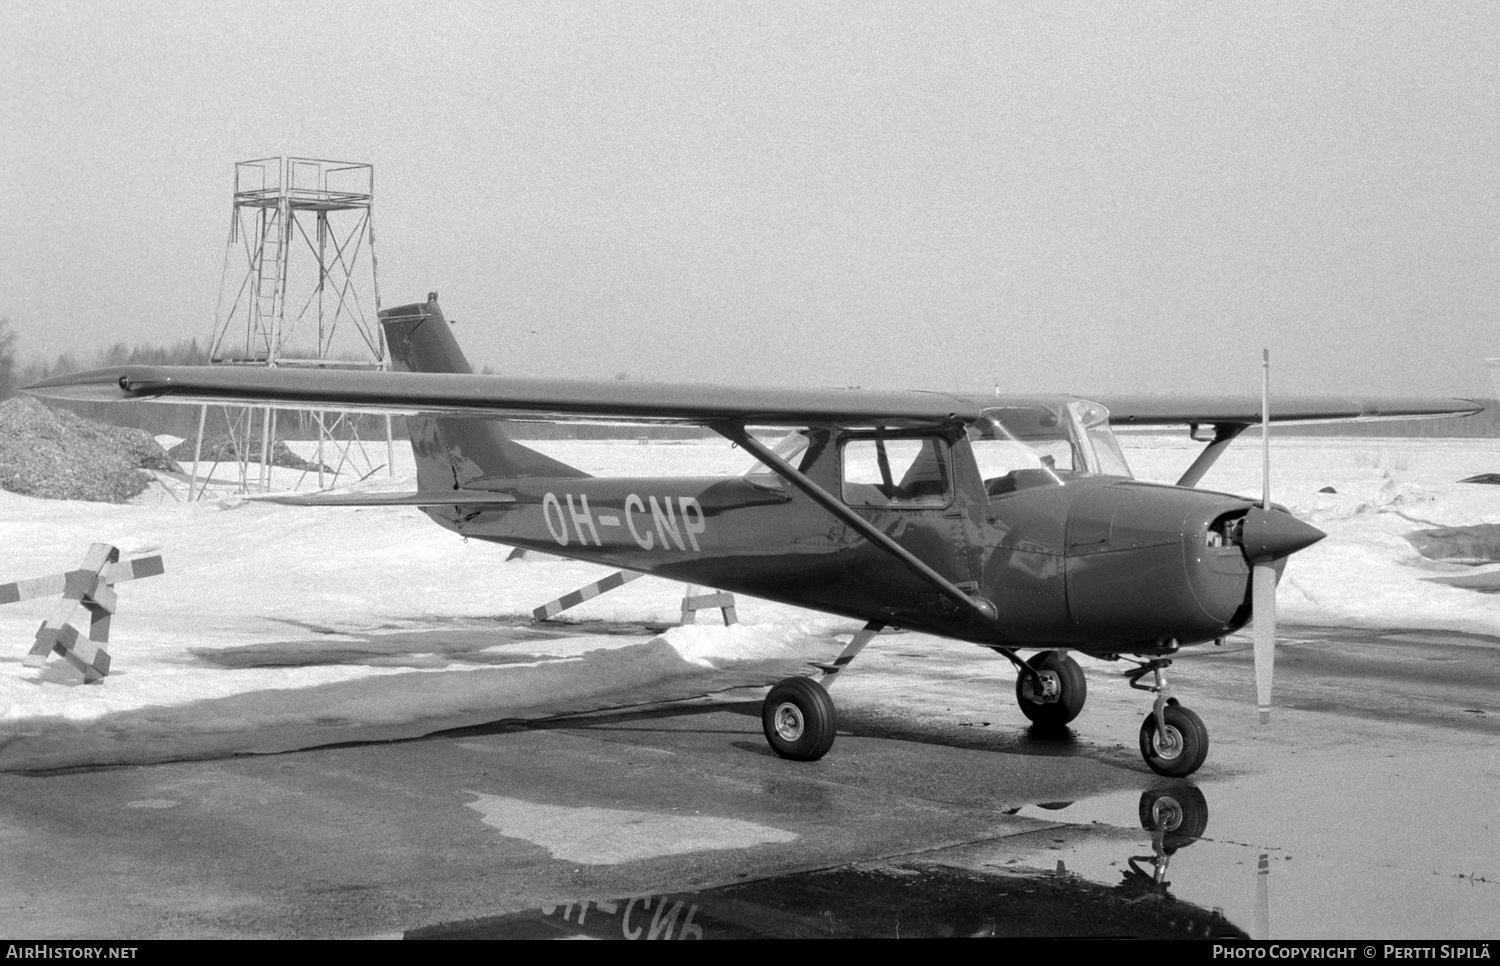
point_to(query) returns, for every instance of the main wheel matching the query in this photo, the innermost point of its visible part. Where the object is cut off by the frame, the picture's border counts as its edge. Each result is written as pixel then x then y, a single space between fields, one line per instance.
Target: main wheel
pixel 1181 749
pixel 1072 690
pixel 798 719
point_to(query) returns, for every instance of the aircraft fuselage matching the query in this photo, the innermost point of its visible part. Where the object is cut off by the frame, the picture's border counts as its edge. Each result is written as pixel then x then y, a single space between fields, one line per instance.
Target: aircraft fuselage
pixel 1100 564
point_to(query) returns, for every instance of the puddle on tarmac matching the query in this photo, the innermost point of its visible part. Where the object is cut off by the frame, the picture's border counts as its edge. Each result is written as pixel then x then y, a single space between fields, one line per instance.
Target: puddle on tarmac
pixel 909 900
pixel 1331 853
pixel 1288 862
pixel 950 892
pixel 610 836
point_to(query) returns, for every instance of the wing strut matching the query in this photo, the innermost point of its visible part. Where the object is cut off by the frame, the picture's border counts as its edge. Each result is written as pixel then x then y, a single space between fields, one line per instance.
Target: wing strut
pixel 977 607
pixel 1224 434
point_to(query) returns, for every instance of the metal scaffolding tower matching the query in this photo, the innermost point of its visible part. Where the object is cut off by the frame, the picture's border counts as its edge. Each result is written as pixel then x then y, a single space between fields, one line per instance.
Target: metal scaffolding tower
pixel 299 289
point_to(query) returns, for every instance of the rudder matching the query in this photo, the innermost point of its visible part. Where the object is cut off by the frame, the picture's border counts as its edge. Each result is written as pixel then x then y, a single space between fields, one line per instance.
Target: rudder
pixel 452 452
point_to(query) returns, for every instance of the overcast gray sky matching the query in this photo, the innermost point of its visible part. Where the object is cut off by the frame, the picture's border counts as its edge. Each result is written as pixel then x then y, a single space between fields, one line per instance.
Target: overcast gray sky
pixel 1045 196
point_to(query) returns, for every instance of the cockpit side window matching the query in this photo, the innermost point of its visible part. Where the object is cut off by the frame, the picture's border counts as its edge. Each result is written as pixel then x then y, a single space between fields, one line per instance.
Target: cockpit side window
pixel 897 472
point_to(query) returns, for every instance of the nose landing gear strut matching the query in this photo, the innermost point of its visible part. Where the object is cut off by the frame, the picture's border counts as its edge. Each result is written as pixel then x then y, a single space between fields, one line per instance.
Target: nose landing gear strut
pixel 1174 740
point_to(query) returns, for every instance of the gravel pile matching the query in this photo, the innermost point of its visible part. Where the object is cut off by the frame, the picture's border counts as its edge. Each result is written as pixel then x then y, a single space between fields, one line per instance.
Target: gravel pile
pixel 222 449
pixel 57 455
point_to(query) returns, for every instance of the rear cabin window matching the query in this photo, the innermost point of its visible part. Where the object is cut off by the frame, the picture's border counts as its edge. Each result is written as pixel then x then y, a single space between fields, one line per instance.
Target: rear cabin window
pixel 897 472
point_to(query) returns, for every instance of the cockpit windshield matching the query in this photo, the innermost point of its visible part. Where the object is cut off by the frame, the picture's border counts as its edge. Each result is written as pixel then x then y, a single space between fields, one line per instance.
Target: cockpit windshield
pixel 1093 420
pixel 1044 444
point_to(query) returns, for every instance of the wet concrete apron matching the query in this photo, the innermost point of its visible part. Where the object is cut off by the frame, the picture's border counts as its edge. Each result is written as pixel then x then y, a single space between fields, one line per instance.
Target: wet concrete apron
pixel 937 808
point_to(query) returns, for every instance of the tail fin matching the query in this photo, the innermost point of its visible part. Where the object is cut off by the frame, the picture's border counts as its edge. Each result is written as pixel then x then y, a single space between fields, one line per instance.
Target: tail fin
pixel 452 452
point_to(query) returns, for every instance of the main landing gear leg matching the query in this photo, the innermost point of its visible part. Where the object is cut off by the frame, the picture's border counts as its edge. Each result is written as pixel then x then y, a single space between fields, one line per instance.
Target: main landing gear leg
pixel 1174 740
pixel 798 717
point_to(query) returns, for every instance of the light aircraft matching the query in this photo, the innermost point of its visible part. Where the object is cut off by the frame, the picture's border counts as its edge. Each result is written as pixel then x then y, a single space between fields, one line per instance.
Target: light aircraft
pixel 1011 522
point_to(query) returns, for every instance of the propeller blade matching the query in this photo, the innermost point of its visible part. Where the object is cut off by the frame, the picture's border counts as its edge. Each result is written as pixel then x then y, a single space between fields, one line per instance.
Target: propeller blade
pixel 1263 607
pixel 1265 429
pixel 1269 536
pixel 1263 572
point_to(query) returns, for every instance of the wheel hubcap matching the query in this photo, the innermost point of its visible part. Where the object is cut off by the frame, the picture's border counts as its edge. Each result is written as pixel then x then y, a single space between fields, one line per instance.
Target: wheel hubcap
pixel 788 722
pixel 1166 814
pixel 1168 744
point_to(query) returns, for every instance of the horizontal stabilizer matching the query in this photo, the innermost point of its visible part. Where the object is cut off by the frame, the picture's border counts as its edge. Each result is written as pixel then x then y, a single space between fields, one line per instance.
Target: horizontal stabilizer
pixel 410 498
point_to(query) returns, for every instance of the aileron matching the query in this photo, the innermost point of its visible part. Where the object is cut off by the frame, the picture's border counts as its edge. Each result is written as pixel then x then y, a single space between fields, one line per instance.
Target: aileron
pixel 1245 410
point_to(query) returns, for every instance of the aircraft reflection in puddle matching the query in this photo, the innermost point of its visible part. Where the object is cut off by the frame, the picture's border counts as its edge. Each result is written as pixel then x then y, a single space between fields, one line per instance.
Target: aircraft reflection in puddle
pixel 911 899
pixel 1176 817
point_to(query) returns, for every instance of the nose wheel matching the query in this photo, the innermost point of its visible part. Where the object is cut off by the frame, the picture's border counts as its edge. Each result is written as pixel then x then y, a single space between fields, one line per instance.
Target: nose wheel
pixel 1174 740
pixel 1177 747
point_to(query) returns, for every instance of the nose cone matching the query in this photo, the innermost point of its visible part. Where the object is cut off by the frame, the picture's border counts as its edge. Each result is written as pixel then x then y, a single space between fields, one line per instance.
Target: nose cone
pixel 1273 534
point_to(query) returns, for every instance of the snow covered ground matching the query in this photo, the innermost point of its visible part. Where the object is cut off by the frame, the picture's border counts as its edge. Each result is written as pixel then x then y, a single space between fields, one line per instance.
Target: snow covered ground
pixel 278 627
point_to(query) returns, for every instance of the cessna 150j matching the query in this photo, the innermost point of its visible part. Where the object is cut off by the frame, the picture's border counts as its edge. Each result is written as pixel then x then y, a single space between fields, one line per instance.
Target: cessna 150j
pixel 1009 522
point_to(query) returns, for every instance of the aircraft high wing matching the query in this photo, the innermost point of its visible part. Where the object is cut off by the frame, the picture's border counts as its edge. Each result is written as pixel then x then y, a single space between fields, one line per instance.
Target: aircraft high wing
pixel 565 400
pixel 1011 522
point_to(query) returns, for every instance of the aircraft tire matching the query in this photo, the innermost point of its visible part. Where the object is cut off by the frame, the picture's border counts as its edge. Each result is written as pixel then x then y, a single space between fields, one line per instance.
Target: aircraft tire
pixel 1179 812
pixel 1069 705
pixel 799 720
pixel 1186 745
